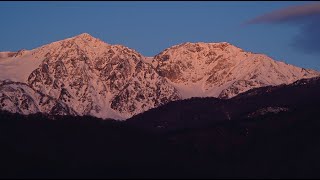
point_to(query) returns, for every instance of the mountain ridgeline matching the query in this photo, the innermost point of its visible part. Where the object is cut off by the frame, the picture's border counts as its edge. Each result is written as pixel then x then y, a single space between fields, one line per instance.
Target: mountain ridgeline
pixel 84 76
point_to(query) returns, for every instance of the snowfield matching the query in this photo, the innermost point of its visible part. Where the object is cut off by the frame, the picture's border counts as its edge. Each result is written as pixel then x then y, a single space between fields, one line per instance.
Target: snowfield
pixel 83 75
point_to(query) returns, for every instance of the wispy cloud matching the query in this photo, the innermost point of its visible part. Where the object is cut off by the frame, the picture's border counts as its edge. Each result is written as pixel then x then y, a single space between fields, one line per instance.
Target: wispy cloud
pixel 307 17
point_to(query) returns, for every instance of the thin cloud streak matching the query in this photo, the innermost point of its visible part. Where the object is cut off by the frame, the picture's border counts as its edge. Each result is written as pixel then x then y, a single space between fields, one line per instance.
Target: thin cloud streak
pixel 288 14
pixel 307 17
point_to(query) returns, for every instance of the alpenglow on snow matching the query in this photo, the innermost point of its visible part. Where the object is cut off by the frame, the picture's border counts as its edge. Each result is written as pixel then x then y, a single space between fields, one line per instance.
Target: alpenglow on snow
pixel 83 75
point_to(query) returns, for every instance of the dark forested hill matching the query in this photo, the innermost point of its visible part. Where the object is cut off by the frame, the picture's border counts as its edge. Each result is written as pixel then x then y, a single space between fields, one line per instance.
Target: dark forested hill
pixel 270 132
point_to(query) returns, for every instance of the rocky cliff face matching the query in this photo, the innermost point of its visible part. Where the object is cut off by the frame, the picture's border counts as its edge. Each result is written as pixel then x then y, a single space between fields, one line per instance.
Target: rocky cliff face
pixel 20 98
pixel 222 70
pixel 83 75
pixel 95 78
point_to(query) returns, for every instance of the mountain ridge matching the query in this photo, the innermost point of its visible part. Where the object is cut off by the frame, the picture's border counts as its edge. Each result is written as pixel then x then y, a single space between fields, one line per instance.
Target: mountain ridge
pixel 113 81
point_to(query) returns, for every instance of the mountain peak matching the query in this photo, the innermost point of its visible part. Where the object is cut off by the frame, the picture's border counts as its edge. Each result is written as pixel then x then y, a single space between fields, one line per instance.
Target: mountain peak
pixel 91 77
pixel 206 45
pixel 85 36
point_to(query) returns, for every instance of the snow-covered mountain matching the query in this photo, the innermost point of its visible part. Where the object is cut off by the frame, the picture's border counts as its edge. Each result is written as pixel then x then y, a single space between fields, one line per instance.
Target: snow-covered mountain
pixel 91 77
pixel 83 75
pixel 222 70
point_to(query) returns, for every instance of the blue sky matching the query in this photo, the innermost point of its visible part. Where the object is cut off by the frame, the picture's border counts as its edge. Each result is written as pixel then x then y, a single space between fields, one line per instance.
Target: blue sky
pixel 150 27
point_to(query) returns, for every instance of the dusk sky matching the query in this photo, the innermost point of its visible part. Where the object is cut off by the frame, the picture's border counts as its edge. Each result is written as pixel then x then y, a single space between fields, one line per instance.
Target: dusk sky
pixel 150 27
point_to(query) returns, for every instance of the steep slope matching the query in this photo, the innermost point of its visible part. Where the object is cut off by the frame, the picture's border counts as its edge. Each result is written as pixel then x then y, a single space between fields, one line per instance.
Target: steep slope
pixel 94 78
pixel 20 98
pixel 222 70
pixel 17 66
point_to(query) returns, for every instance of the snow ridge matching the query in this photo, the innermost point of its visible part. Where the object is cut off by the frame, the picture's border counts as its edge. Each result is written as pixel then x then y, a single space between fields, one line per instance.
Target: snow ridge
pixel 83 75
pixel 222 70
